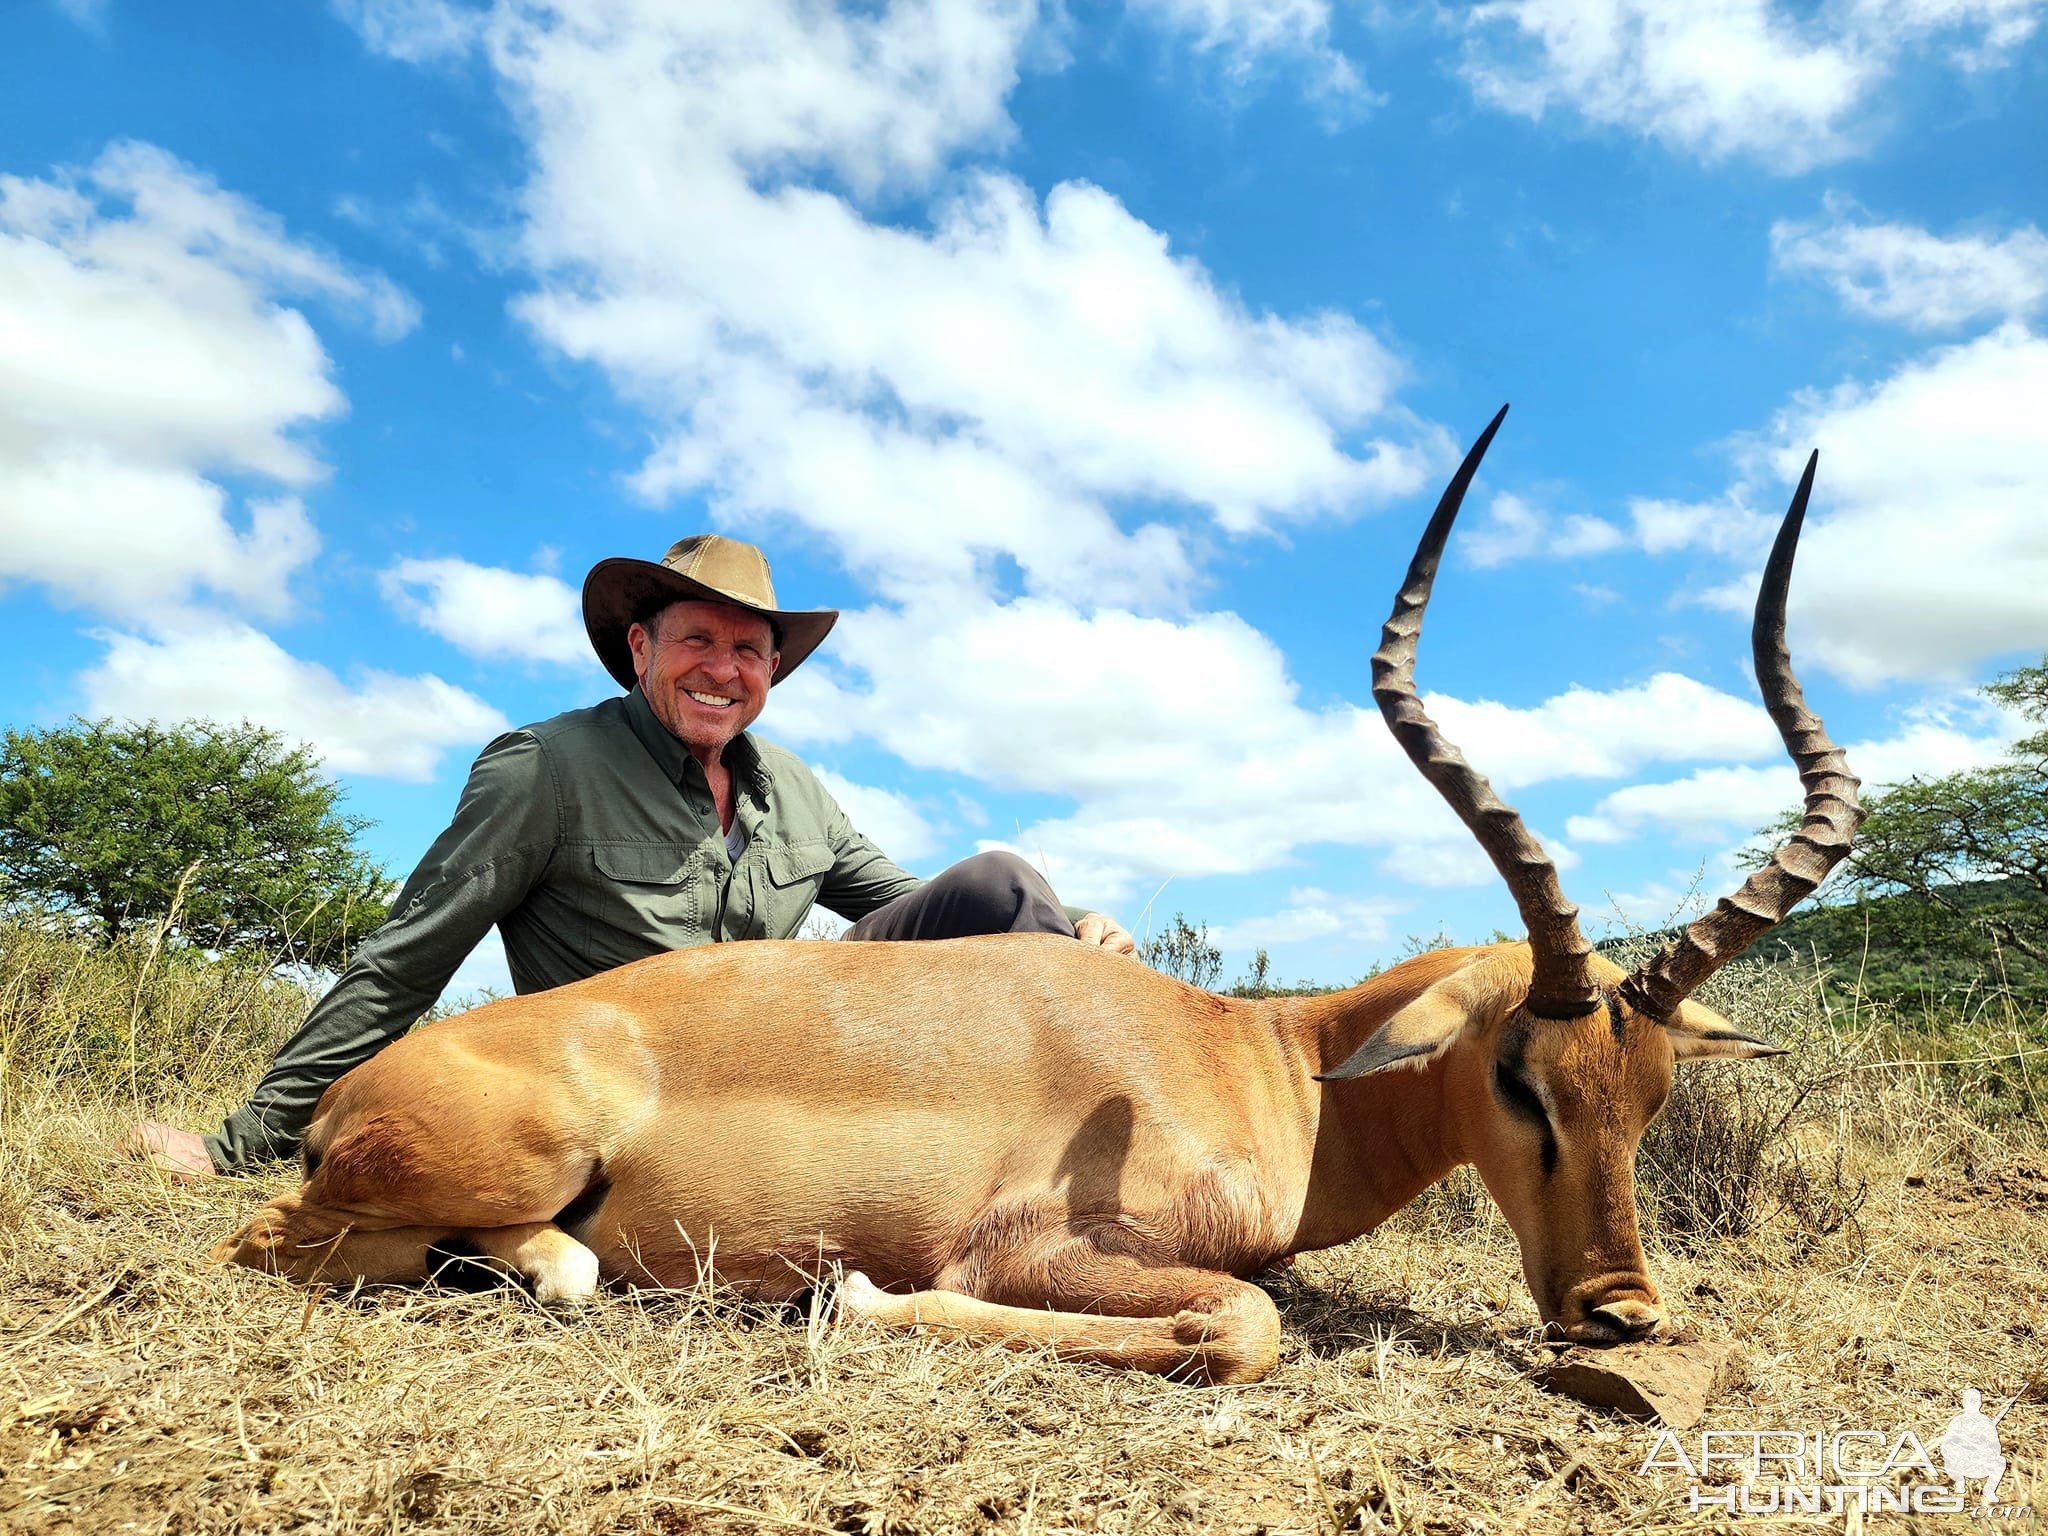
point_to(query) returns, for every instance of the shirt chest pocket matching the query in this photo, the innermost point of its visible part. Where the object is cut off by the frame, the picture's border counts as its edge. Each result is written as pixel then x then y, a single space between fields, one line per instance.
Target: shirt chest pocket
pixel 798 866
pixel 789 880
pixel 650 888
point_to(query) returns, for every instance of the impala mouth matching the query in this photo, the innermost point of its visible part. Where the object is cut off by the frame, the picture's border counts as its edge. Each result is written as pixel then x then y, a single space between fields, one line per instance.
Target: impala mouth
pixel 1627 1313
pixel 713 700
pixel 1623 1323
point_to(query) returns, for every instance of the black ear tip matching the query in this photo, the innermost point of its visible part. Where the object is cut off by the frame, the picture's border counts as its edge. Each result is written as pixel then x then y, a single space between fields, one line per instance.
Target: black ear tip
pixel 1375 1055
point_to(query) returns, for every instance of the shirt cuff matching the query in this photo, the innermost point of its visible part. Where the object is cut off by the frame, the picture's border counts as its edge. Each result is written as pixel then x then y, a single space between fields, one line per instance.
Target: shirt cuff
pixel 244 1139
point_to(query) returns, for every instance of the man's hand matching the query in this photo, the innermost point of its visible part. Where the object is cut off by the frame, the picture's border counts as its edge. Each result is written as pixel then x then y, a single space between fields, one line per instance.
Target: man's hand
pixel 1106 931
pixel 179 1154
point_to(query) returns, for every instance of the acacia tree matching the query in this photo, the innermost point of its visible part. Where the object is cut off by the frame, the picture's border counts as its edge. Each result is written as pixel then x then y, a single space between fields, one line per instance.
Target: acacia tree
pixel 226 830
pixel 1938 838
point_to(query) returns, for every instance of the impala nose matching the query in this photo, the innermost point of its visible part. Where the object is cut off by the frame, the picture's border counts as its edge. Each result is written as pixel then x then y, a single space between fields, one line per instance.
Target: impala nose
pixel 1616 1322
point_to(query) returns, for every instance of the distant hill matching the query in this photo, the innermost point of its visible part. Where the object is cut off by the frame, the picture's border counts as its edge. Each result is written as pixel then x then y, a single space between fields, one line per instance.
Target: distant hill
pixel 1897 950
pixel 1912 954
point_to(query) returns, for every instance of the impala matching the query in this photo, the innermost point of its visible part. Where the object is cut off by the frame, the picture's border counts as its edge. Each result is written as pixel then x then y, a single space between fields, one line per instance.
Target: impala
pixel 1024 1139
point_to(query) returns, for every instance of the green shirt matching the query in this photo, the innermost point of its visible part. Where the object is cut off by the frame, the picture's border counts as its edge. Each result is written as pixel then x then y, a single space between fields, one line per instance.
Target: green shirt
pixel 590 840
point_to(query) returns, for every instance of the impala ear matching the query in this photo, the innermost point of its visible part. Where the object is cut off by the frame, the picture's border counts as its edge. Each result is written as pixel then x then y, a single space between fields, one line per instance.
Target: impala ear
pixel 1698 1033
pixel 1423 1030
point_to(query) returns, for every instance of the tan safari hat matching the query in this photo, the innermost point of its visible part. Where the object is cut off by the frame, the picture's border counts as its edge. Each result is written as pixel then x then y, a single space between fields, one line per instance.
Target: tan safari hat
pixel 705 565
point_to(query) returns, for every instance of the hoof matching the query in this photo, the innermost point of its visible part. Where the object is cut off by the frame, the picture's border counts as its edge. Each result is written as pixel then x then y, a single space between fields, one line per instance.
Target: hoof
pixel 567 1279
pixel 858 1297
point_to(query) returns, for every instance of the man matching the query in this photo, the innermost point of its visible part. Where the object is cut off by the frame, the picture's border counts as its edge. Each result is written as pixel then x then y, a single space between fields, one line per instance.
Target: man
pixel 647 823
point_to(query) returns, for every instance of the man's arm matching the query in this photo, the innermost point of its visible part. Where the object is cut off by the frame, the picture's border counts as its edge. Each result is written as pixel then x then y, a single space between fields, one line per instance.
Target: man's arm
pixel 477 871
pixel 862 877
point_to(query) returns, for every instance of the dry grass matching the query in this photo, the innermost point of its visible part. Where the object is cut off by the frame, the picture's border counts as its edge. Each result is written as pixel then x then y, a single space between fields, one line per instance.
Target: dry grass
pixel 141 1388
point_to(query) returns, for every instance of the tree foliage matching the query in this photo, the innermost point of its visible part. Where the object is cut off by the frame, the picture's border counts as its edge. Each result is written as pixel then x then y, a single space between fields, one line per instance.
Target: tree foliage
pixel 1928 837
pixel 1950 869
pixel 226 831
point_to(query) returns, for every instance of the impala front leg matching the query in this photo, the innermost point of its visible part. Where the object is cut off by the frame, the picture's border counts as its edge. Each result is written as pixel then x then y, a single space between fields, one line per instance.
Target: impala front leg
pixel 1194 1324
pixel 309 1243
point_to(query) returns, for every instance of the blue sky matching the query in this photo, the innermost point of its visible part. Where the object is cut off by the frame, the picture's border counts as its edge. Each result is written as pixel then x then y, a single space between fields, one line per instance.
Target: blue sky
pixel 1101 362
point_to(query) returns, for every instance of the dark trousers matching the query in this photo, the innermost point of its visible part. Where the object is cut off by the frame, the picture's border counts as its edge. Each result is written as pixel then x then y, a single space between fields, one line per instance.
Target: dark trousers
pixel 989 893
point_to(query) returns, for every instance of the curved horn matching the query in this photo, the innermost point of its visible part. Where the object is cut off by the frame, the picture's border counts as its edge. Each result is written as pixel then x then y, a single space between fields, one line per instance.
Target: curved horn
pixel 1563 985
pixel 1822 841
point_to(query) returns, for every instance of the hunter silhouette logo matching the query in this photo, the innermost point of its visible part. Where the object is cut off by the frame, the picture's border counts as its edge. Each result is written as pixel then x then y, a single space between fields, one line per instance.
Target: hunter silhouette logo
pixel 1970 1446
pixel 1810 1471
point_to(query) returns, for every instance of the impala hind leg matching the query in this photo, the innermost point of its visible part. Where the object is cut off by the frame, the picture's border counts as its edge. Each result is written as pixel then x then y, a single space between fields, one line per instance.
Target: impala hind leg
pixel 1191 1323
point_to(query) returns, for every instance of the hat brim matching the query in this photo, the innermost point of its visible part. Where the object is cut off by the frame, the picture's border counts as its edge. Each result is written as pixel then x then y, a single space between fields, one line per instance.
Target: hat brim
pixel 619 590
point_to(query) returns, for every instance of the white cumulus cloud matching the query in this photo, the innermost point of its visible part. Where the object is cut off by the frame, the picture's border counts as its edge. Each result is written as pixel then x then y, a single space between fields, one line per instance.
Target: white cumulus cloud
pixel 1514 529
pixel 1931 557
pixel 1589 733
pixel 202 667
pixel 1186 750
pixel 492 613
pixel 890 820
pixel 145 349
pixel 1905 274
pixel 1722 805
pixel 1727 527
pixel 1364 922
pixel 967 397
pixel 1247 33
pixel 1787 85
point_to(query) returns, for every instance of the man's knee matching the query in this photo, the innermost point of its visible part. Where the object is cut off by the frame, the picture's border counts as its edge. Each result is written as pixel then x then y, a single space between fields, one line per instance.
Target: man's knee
pixel 989 893
pixel 999 880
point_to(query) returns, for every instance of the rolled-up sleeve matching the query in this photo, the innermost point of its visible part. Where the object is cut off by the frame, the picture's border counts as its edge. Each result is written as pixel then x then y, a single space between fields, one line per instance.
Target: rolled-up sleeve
pixel 505 831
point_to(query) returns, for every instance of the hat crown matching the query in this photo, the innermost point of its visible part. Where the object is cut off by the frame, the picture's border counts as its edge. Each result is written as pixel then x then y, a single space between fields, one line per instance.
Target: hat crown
pixel 731 566
pixel 705 567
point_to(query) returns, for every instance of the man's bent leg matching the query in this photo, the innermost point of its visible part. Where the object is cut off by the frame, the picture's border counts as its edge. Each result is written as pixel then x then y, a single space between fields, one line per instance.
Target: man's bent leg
pixel 989 893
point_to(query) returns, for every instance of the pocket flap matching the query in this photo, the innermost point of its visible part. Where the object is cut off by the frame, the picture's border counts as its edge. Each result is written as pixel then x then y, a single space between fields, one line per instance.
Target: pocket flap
pixel 792 863
pixel 645 863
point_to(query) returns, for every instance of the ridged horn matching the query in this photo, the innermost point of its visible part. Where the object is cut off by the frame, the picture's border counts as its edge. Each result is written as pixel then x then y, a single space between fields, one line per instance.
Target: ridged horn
pixel 1823 839
pixel 1563 985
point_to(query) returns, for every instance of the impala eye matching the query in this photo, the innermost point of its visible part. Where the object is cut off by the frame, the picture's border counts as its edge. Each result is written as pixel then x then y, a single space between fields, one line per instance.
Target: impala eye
pixel 1521 1099
pixel 1518 1095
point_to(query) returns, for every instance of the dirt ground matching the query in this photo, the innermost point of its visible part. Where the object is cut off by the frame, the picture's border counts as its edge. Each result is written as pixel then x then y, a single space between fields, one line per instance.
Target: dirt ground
pixel 143 1389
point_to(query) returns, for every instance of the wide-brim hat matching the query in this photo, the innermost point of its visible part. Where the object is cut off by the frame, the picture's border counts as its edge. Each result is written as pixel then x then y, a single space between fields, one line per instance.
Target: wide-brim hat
pixel 705 566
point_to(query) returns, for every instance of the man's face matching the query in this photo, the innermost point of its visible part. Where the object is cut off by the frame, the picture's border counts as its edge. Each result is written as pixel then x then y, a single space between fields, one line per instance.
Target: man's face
pixel 705 669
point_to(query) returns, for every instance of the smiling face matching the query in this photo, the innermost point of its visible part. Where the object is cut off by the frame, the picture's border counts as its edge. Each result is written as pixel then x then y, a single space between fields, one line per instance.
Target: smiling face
pixel 705 669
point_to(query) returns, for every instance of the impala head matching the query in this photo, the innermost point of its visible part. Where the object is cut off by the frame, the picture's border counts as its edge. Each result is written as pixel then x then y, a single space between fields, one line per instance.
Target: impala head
pixel 1554 1060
